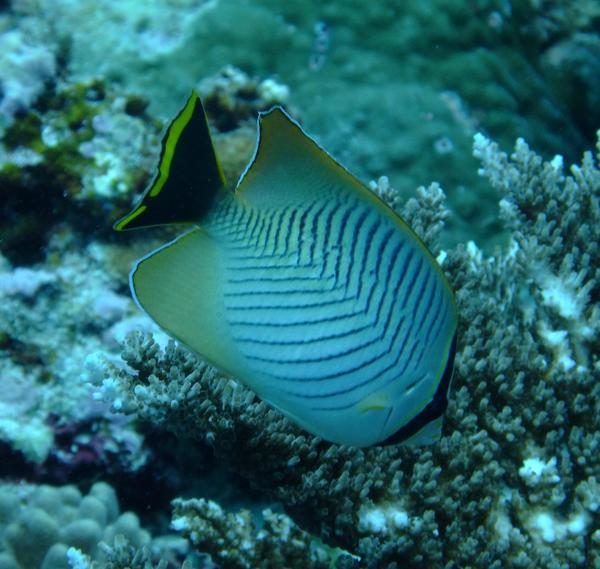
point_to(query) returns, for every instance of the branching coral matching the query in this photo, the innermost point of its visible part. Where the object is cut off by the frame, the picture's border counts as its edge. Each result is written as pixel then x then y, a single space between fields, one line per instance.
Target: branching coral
pixel 555 225
pixel 514 480
pixel 234 541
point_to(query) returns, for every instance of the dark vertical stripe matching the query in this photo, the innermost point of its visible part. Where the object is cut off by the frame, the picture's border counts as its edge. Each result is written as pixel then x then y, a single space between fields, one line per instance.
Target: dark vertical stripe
pixel 238 224
pixel 313 231
pixel 282 214
pixel 327 228
pixel 385 240
pixel 252 221
pixel 326 232
pixel 367 250
pixel 288 232
pixel 409 356
pixel 407 260
pixel 234 222
pixel 258 227
pixel 434 314
pixel 267 233
pixel 355 234
pixel 415 301
pixel 394 291
pixel 347 213
pixel 419 357
pixel 411 285
pixel 441 319
pixel 302 237
pixel 375 280
pixel 427 307
pixel 340 242
pixel 404 341
pixel 224 213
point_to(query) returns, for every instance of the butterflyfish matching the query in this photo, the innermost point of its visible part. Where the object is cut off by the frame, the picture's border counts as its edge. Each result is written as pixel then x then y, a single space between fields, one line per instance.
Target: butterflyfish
pixel 299 282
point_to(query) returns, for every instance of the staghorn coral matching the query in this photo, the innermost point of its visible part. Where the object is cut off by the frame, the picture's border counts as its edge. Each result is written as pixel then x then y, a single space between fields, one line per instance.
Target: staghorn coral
pixel 234 541
pixel 555 224
pixel 514 481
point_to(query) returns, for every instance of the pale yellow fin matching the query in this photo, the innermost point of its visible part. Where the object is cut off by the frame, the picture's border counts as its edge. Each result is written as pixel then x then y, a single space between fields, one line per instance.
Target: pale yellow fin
pixel 289 167
pixel 180 287
pixel 428 434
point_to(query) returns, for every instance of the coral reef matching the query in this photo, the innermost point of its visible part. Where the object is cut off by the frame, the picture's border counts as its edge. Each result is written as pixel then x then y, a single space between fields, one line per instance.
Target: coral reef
pixel 234 541
pixel 70 301
pixel 29 61
pixel 387 88
pixel 514 480
pixel 232 99
pixel 80 142
pixel 79 152
pixel 563 37
pixel 52 317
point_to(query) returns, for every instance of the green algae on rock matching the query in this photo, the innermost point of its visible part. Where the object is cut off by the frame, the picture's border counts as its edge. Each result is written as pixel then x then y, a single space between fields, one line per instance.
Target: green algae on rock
pixel 75 156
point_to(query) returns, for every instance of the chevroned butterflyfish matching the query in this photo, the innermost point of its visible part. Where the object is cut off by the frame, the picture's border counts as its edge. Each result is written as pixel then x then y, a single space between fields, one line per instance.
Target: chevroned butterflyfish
pixel 300 282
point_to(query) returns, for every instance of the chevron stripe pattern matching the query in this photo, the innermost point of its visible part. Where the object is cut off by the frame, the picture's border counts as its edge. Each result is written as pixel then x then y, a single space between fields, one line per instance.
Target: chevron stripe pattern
pixel 331 301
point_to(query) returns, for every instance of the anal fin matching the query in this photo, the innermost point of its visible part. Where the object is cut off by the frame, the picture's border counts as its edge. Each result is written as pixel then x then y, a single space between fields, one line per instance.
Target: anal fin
pixel 179 286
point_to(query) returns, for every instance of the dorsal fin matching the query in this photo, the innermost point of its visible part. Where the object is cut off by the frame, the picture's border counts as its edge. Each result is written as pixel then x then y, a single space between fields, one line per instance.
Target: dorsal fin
pixel 189 174
pixel 287 160
pixel 289 166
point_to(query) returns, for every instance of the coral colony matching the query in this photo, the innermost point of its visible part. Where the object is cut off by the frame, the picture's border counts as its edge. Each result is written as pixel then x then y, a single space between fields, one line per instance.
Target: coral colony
pixel 120 448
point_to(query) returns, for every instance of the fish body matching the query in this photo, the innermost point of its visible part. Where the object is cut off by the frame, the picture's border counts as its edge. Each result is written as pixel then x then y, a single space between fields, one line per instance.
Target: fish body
pixel 302 284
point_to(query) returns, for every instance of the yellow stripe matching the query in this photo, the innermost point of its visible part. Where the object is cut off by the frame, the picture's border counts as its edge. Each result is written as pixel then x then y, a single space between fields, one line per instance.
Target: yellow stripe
pixel 130 217
pixel 175 130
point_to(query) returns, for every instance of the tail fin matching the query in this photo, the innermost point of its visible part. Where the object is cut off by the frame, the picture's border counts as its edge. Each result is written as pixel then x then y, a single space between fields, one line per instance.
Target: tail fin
pixel 189 174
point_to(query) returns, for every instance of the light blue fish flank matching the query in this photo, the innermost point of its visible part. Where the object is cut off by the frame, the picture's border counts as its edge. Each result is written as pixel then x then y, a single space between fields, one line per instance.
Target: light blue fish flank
pixel 300 283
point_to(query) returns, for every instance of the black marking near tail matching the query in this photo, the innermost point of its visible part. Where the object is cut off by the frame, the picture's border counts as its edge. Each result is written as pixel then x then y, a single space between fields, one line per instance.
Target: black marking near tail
pixel 188 177
pixel 433 410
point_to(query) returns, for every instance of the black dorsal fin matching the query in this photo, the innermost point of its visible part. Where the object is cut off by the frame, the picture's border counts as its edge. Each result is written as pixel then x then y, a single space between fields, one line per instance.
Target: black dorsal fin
pixel 189 174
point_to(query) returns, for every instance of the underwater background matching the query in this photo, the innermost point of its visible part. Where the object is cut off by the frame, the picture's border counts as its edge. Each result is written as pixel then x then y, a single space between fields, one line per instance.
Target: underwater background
pixel 476 120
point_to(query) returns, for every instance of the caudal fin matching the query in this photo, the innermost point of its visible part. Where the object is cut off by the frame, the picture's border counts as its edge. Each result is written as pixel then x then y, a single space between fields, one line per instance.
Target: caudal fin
pixel 188 178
